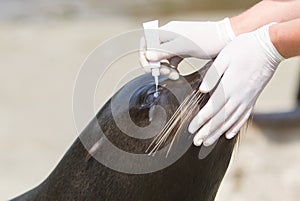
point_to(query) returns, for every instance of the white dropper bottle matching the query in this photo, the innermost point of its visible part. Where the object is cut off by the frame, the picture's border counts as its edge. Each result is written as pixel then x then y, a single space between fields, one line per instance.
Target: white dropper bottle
pixel 152 42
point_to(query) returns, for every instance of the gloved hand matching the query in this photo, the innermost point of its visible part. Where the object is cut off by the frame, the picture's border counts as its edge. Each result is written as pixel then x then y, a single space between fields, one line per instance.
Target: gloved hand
pixel 180 39
pixel 246 64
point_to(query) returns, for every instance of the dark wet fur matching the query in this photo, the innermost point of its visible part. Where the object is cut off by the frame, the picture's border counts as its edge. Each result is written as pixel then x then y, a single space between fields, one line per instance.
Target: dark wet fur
pixel 189 178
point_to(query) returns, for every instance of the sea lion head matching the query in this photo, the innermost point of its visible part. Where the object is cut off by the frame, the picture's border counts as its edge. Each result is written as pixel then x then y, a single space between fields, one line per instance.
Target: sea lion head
pixel 138 112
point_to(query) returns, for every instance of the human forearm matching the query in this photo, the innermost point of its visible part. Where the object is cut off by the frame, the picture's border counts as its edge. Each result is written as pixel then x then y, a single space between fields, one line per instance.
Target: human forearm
pixel 265 12
pixel 286 38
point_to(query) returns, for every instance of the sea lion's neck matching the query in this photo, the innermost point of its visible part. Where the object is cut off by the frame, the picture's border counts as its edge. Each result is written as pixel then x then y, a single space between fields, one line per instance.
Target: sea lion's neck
pixel 189 178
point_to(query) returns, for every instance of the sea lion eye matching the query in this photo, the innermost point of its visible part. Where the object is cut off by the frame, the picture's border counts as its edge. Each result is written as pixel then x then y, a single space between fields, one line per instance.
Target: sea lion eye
pixel 149 100
pixel 148 95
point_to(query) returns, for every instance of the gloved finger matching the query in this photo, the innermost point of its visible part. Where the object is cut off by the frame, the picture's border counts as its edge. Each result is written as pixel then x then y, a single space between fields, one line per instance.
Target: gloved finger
pixel 167 50
pixel 166 35
pixel 142 54
pixel 238 125
pixel 238 114
pixel 174 62
pixel 214 105
pixel 164 70
pixel 169 71
pixel 214 73
pixel 217 122
pixel 174 74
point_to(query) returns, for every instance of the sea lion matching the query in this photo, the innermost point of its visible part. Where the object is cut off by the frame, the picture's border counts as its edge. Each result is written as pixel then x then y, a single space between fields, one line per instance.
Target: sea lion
pixel 80 177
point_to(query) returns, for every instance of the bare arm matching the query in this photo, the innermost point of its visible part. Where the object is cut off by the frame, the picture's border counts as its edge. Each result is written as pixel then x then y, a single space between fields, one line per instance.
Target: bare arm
pixel 286 37
pixel 265 12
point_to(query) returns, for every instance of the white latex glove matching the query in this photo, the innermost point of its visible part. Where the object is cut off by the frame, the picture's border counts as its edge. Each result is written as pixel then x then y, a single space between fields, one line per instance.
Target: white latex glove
pixel 247 64
pixel 180 39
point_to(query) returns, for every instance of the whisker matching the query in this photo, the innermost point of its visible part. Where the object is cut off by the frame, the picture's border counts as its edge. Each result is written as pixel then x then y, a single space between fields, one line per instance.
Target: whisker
pixel 180 116
pixel 159 136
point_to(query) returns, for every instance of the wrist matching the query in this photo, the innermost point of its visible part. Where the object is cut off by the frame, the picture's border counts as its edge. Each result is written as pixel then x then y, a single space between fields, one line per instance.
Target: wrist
pixel 278 38
pixel 237 26
pixel 275 38
pixel 265 39
pixel 225 30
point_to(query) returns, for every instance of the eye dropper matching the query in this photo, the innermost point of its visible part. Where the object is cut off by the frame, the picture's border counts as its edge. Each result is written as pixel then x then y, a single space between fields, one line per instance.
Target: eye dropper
pixel 152 42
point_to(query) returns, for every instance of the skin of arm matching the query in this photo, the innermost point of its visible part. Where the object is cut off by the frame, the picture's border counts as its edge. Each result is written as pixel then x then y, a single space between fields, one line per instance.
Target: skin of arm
pixel 265 12
pixel 286 38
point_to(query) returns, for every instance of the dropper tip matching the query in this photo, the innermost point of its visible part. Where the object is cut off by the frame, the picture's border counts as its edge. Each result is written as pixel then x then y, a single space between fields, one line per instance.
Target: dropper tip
pixel 156 86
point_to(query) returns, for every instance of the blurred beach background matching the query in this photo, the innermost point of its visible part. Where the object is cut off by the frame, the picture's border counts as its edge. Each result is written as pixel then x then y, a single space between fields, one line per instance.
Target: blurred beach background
pixel 43 45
